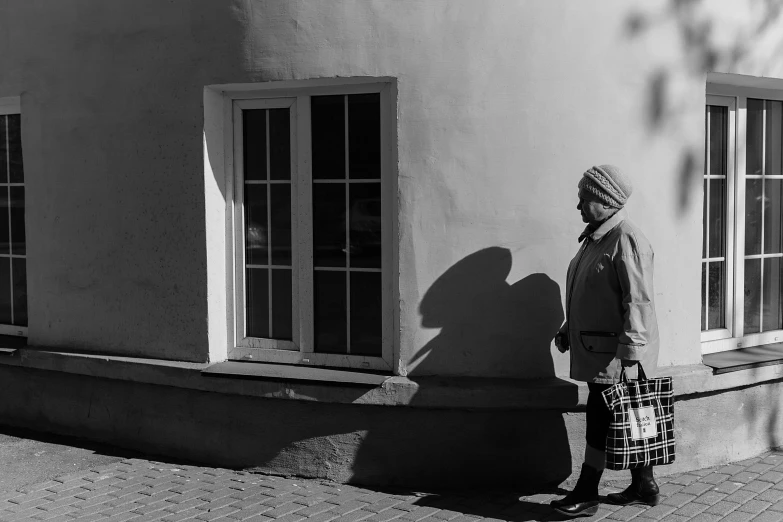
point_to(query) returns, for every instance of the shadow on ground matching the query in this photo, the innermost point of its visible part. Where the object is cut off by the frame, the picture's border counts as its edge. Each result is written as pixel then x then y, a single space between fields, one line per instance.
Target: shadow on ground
pixel 29 457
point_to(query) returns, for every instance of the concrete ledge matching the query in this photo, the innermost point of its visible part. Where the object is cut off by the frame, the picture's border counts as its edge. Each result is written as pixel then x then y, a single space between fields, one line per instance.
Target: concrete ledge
pixel 319 385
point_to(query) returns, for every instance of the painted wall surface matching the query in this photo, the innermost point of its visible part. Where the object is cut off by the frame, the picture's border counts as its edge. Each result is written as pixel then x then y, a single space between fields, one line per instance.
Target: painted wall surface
pixel 502 105
pixel 379 445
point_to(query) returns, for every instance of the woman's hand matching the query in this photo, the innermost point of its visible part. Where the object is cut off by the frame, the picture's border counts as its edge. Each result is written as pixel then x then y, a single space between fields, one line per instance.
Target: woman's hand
pixel 561 341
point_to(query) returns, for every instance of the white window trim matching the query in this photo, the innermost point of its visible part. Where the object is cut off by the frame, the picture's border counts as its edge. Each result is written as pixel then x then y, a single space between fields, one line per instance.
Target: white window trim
pixel 297 93
pixel 735 96
pixel 11 105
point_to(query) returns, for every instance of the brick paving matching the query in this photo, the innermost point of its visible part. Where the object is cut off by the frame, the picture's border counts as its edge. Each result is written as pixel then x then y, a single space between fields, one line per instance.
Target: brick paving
pixel 138 490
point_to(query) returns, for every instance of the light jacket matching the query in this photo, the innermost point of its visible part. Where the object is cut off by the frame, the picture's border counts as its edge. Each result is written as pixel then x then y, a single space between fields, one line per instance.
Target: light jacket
pixel 610 308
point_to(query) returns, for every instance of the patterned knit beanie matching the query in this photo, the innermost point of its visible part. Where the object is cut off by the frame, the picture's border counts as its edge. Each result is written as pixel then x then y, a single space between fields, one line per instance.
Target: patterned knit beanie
pixel 608 184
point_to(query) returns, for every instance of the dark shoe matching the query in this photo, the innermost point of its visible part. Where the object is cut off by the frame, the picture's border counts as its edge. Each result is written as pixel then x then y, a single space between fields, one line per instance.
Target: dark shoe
pixel 583 500
pixel 642 491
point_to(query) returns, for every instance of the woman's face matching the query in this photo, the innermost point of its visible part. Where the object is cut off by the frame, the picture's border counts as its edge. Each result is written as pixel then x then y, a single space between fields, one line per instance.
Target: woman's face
pixel 592 209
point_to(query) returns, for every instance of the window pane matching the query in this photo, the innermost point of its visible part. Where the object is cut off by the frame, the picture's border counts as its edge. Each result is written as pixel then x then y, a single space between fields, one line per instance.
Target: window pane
pixel 703 296
pixel 366 310
pixel 717 296
pixel 281 304
pixel 329 225
pixel 718 139
pixel 257 302
pixel 773 320
pixel 17 220
pixel 328 136
pixel 279 144
pixel 365 225
pixel 5 290
pixel 330 312
pixel 704 220
pixel 20 292
pixel 773 216
pixel 773 138
pixel 364 136
pixel 755 145
pixel 3 150
pixel 717 217
pixel 256 238
pixel 15 148
pixel 5 242
pixel 254 133
pixel 281 224
pixel 753 216
pixel 752 295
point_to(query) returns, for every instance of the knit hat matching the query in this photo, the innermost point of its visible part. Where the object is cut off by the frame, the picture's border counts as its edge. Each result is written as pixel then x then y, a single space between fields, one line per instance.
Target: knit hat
pixel 608 184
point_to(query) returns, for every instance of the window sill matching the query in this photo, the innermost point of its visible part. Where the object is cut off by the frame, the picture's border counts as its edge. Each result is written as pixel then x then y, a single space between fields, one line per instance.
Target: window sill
pixel 745 358
pixel 348 387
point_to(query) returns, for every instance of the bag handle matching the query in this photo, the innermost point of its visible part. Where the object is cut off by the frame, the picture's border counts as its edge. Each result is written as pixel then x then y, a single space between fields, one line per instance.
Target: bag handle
pixel 641 376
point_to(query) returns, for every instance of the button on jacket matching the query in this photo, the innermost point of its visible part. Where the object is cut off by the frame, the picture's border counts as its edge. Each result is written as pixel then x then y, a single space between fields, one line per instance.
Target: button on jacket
pixel 610 309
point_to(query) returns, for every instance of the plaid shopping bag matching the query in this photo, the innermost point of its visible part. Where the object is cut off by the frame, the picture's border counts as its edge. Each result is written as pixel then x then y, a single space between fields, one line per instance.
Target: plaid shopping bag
pixel 641 432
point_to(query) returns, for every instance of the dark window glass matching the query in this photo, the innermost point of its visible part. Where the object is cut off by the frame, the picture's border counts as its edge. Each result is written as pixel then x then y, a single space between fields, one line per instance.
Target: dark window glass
pixel 773 216
pixel 330 312
pixel 772 145
pixel 279 144
pixel 704 231
pixel 773 295
pixel 328 136
pixel 753 216
pixel 256 231
pixel 257 302
pixel 5 290
pixel 755 137
pixel 5 241
pixel 254 145
pixel 752 296
pixel 3 149
pixel 281 224
pixel 366 313
pixel 364 136
pixel 365 225
pixel 329 233
pixel 703 296
pixel 281 304
pixel 718 140
pixel 17 221
pixel 20 291
pixel 717 295
pixel 717 217
pixel 15 148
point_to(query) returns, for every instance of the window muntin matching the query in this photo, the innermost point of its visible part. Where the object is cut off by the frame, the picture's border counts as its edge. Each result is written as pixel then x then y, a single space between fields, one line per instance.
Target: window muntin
pixel 13 251
pixel 752 236
pixel 327 207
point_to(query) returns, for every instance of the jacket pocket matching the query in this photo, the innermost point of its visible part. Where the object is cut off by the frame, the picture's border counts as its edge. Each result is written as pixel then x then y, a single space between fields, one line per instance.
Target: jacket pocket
pixel 599 342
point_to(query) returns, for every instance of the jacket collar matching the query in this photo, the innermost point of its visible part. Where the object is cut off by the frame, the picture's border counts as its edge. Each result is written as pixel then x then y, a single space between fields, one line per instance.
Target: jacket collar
pixel 595 234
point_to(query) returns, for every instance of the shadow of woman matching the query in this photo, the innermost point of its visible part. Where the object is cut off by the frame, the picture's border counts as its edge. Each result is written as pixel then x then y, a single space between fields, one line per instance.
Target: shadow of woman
pixel 491 333
pixel 489 328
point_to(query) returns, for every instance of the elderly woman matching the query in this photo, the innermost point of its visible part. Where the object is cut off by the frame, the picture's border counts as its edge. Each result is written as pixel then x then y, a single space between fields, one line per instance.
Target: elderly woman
pixel 610 323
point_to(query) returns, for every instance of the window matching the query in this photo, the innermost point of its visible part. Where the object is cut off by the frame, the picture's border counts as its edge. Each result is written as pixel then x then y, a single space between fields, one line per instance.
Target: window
pixel 312 225
pixel 742 252
pixel 13 262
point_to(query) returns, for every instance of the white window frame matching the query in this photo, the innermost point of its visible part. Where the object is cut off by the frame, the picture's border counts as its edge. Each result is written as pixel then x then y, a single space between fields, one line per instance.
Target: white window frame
pixel 296 96
pixel 12 105
pixel 735 97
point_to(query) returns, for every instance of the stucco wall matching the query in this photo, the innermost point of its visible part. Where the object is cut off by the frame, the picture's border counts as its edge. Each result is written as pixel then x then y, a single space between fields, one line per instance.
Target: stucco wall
pixel 502 105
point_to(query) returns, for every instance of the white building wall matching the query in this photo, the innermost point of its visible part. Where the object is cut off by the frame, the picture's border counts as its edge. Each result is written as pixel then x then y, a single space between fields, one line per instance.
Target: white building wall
pixel 502 105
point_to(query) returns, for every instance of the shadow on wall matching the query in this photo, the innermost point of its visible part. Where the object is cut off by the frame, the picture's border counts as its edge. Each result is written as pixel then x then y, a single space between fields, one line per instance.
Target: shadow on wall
pixel 492 329
pixel 489 328
pixel 705 49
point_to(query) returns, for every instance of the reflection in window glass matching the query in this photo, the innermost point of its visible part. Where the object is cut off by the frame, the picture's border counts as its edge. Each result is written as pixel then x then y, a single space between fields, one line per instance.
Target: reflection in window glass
pixel 13 243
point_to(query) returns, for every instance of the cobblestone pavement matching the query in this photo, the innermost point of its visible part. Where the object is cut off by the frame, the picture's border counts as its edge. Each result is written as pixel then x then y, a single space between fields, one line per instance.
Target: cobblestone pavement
pixel 143 491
